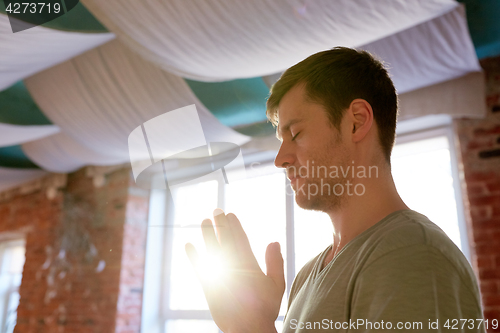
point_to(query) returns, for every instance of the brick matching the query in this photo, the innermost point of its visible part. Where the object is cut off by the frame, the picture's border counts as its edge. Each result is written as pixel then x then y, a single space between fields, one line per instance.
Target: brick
pixel 489 131
pixel 491 224
pixel 493 186
pixel 477 189
pixel 486 261
pixel 481 142
pixel 487 248
pixel 478 176
pixel 493 99
pixel 493 300
pixel 481 213
pixel 489 287
pixel 497 260
pixel 493 200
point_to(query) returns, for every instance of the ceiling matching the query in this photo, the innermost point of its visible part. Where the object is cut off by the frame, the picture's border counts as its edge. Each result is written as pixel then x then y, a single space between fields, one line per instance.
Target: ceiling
pixel 72 90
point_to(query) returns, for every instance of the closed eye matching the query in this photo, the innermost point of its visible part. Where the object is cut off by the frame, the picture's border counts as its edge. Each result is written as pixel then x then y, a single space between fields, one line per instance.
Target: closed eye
pixel 295 136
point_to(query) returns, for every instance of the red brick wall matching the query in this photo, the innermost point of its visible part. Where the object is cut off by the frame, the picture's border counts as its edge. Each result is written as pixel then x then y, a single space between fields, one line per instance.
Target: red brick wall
pixel 36 216
pixel 479 143
pixel 133 260
pixel 84 255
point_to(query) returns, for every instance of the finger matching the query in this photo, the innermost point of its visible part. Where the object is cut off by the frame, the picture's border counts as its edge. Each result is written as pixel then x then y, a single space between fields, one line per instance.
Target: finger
pixel 209 237
pixel 274 265
pixel 244 250
pixel 226 238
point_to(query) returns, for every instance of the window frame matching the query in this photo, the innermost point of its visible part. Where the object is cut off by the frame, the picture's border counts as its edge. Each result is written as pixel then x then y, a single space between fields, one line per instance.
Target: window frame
pixel 6 243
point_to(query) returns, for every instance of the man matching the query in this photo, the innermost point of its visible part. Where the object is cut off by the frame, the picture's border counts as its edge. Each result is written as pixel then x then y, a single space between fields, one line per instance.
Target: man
pixel 388 268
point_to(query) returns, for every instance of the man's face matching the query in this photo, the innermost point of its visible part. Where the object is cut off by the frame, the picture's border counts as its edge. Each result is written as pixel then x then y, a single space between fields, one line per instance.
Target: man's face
pixel 311 150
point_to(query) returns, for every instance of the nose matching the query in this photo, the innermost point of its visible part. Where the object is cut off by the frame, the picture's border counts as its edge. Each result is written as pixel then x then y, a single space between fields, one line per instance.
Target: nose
pixel 285 157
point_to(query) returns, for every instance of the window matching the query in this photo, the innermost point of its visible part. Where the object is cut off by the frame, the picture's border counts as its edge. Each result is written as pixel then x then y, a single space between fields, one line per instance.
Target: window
pixel 261 214
pixel 425 171
pixel 420 161
pixel 11 269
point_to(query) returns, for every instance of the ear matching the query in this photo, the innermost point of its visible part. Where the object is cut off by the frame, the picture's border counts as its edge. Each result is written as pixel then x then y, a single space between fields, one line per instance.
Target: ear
pixel 362 119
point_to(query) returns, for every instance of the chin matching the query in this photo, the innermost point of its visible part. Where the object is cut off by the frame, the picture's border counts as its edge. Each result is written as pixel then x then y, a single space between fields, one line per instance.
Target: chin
pixel 319 202
pixel 312 203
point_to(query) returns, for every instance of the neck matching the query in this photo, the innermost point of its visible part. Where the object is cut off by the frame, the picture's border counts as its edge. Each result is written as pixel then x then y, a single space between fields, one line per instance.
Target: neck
pixel 357 213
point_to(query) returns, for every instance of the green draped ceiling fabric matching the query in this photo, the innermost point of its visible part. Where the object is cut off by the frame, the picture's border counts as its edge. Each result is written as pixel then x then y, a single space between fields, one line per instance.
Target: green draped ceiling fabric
pixel 18 108
pixel 79 19
pixel 240 104
pixel 14 157
pixel 483 18
pixel 20 121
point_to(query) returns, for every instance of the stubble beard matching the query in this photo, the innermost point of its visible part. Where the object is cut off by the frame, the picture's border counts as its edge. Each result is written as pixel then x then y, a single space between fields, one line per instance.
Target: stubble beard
pixel 325 200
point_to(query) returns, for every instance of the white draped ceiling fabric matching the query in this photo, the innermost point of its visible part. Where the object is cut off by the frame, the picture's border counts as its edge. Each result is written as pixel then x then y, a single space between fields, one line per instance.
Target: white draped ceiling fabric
pixel 99 98
pixel 428 54
pixel 30 51
pixel 432 52
pixel 16 134
pixel 228 39
pixel 435 68
pixel 14 177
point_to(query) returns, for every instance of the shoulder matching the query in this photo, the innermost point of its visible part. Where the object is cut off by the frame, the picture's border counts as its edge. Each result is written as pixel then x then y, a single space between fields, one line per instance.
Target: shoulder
pixel 405 229
pixel 407 267
pixel 408 244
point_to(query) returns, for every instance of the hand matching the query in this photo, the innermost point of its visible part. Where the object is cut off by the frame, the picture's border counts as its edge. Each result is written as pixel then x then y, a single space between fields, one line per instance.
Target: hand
pixel 240 296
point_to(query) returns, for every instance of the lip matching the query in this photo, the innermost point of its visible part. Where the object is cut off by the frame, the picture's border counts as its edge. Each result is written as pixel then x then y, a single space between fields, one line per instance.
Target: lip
pixel 294 182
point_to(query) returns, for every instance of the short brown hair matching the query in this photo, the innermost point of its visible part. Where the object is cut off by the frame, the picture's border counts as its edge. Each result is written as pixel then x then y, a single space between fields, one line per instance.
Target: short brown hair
pixel 335 78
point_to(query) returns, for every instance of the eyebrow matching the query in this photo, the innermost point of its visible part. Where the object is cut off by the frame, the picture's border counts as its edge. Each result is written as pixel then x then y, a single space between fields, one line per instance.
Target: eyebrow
pixel 286 127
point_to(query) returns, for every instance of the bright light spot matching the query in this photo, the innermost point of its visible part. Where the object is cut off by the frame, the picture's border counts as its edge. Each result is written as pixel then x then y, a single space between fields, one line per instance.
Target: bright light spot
pixel 214 268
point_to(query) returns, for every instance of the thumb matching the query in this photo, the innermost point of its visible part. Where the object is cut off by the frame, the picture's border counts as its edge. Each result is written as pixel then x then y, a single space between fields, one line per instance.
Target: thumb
pixel 274 265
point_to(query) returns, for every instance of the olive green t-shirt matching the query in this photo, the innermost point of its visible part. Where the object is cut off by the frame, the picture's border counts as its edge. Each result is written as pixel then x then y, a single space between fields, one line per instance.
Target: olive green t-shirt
pixel 401 274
